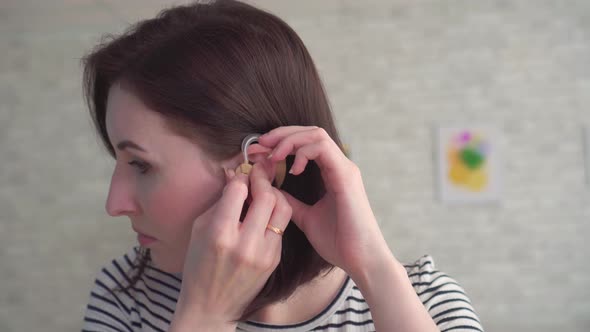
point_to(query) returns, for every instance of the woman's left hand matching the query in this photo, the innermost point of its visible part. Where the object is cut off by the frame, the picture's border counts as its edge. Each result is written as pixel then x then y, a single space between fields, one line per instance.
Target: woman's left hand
pixel 341 225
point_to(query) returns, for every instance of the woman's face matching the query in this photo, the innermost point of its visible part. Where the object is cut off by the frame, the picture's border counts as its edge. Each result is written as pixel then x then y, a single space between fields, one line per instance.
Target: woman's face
pixel 161 181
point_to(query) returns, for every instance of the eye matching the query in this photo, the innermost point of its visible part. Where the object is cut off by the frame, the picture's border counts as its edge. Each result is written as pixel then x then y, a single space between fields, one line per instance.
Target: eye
pixel 141 166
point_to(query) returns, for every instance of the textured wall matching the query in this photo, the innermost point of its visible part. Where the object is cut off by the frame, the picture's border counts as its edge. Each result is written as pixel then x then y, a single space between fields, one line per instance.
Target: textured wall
pixel 393 69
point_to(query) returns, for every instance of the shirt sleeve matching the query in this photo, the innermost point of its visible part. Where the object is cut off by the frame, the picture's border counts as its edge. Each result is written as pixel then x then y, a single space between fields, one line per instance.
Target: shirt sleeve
pixel 107 310
pixel 446 301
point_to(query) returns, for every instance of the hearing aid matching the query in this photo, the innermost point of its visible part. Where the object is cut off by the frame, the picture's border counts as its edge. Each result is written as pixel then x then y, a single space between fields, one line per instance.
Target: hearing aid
pixel 246 166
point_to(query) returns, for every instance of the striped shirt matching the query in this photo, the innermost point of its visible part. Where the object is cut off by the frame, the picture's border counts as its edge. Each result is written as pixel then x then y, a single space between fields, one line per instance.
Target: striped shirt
pixel 150 304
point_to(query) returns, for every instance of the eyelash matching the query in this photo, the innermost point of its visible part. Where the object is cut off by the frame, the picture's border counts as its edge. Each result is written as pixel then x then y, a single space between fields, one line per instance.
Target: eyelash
pixel 143 167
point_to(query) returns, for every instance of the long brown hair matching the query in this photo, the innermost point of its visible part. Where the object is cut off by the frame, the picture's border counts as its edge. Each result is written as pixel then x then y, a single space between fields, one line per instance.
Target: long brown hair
pixel 218 71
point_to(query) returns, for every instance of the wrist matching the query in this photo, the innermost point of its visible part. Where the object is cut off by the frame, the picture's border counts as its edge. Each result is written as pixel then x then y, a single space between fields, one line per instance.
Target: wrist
pixel 195 323
pixel 187 320
pixel 384 266
pixel 394 303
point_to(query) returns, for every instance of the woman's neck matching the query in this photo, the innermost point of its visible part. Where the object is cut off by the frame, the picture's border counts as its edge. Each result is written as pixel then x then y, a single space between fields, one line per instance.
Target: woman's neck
pixel 306 302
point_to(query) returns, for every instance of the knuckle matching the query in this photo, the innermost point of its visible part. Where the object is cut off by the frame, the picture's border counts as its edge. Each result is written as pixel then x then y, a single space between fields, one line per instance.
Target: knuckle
pixel 242 257
pixel 276 260
pixel 325 143
pixel 239 259
pixel 321 132
pixel 355 170
pixel 245 258
pixel 266 260
pixel 220 246
pixel 286 146
pixel 237 188
pixel 282 206
pixel 267 197
pixel 269 262
pixel 284 209
pixel 349 172
pixel 265 264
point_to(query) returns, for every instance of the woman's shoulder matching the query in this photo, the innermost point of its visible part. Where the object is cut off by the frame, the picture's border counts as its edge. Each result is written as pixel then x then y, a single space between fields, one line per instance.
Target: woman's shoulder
pixel 443 297
pixel 424 265
pixel 429 282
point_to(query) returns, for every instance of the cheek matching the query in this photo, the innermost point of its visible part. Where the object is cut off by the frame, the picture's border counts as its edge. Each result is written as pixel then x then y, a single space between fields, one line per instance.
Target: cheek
pixel 174 204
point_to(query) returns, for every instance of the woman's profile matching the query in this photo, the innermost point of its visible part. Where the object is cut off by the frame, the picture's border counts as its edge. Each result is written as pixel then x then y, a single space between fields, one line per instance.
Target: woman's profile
pixel 220 248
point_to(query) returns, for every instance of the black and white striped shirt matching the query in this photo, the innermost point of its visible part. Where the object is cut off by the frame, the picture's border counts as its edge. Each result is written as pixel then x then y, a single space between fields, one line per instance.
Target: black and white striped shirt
pixel 150 304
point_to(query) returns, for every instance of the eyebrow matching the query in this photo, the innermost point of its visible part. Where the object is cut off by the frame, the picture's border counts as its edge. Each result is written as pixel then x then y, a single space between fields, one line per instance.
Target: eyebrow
pixel 126 144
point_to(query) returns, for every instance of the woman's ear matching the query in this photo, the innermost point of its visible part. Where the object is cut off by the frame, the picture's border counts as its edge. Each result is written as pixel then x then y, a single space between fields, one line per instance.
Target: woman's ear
pixel 276 170
pixel 256 153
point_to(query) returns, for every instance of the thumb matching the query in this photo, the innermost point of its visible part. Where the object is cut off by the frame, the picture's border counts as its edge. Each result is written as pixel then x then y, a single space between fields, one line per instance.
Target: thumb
pixel 299 210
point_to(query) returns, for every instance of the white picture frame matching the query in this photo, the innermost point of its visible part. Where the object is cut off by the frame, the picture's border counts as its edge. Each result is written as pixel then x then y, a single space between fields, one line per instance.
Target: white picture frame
pixel 468 163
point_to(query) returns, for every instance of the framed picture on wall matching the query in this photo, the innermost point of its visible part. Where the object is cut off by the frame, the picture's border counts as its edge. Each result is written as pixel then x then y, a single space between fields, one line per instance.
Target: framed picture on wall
pixel 468 164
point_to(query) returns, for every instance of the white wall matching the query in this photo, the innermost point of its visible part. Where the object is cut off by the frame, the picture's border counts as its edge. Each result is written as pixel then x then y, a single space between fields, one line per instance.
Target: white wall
pixel 392 69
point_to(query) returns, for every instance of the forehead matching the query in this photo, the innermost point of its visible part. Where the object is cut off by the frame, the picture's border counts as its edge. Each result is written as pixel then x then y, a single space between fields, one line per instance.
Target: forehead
pixel 127 117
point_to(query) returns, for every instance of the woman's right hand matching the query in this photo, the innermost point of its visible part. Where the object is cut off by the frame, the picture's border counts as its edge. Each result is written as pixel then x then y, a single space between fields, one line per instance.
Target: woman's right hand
pixel 228 261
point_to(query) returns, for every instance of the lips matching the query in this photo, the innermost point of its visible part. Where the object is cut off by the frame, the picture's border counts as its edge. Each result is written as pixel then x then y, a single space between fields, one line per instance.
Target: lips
pixel 143 238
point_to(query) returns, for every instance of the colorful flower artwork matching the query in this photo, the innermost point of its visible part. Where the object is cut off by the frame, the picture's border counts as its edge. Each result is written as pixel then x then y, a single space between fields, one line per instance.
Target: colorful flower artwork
pixel 467 154
pixel 468 164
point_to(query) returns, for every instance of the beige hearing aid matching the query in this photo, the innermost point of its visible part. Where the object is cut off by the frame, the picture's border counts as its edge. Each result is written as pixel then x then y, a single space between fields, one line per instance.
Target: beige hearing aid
pixel 246 167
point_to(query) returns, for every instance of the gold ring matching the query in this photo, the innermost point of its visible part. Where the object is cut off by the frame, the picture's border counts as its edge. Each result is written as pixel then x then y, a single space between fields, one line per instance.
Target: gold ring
pixel 275 229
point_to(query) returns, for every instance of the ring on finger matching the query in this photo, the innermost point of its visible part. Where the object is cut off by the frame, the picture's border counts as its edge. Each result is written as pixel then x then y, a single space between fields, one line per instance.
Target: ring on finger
pixel 275 229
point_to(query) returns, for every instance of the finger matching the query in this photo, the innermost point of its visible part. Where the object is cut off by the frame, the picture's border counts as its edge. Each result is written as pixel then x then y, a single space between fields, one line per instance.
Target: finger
pixel 330 157
pixel 298 210
pixel 269 168
pixel 291 143
pixel 263 202
pixel 273 137
pixel 281 215
pixel 229 207
pixel 335 167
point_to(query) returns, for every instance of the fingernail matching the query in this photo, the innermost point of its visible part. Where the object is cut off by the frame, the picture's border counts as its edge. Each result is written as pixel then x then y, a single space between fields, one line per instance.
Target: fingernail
pixel 269 156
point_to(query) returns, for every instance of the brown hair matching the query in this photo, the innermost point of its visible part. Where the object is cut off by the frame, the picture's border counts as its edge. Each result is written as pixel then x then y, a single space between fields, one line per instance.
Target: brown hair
pixel 218 71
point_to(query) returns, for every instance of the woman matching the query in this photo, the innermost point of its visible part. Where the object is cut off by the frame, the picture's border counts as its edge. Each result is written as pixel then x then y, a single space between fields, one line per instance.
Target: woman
pixel 172 99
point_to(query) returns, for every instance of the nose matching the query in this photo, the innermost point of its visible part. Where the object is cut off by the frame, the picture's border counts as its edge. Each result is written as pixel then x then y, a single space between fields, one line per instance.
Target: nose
pixel 121 198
